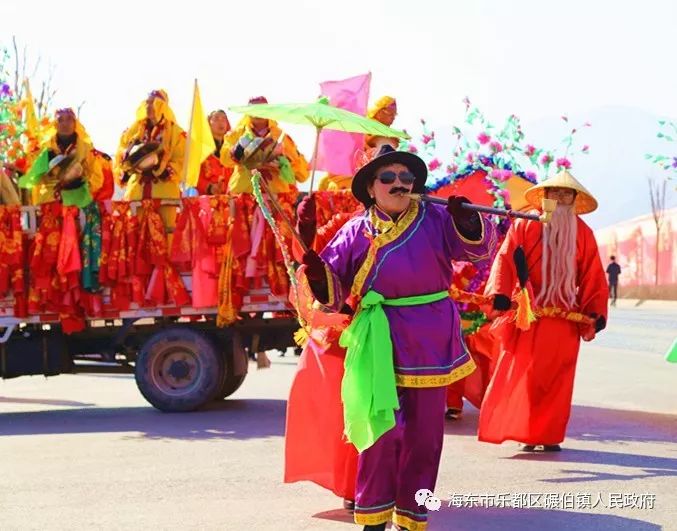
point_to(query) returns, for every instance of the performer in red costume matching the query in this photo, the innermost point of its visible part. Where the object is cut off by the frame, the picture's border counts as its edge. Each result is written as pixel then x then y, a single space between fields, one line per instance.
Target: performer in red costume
pixel 529 397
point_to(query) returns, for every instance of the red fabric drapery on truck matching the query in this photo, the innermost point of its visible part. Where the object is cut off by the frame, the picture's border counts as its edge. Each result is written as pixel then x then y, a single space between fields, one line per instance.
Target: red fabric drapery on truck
pixel 119 230
pixel 151 265
pixel 12 257
pixel 55 266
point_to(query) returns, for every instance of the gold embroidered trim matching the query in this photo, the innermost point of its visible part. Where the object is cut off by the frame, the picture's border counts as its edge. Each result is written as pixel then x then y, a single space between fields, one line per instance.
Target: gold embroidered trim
pixel 382 239
pixel 373 518
pixel 408 523
pixel 435 380
pixel 330 286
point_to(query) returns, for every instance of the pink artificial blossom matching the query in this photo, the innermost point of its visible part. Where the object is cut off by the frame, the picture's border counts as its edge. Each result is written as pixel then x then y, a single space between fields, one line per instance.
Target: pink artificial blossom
pixel 564 117
pixel 434 164
pixel 470 157
pixel 426 139
pixel 501 175
pixel 530 150
pixel 495 147
pixel 546 159
pixel 563 162
pixel 412 149
pixel 483 138
pixel 585 148
pixel 466 102
pixel 452 168
pixel 531 175
pixel 587 124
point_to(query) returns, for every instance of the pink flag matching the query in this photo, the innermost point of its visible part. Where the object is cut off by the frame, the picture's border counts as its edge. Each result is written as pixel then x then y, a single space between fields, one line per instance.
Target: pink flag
pixel 336 149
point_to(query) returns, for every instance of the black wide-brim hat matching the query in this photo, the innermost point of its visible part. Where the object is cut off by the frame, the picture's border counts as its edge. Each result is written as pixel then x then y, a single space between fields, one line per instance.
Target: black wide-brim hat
pixel 388 155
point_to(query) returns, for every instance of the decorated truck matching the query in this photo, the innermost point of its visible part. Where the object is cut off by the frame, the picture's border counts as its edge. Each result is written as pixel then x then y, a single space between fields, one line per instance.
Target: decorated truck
pixel 106 289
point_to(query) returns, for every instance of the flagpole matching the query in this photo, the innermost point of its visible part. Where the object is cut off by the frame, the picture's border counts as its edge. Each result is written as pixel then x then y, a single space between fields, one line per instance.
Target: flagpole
pixel 312 174
pixel 190 131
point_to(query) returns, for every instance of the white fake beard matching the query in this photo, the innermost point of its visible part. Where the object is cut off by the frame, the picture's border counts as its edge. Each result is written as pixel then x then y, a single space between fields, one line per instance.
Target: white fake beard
pixel 558 286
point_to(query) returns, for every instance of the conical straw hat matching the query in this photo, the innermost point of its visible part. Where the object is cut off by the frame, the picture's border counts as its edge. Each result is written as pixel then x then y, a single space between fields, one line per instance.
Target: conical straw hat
pixel 584 203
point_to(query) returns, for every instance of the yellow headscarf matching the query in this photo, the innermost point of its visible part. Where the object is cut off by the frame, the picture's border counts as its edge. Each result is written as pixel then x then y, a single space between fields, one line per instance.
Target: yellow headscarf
pixel 381 103
pixel 79 128
pixel 160 105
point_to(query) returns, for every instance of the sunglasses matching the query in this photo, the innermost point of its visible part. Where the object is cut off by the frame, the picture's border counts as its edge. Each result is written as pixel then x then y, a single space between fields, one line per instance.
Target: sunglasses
pixel 388 177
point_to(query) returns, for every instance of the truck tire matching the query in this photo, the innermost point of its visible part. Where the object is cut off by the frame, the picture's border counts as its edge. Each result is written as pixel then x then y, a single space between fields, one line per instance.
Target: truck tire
pixel 178 369
pixel 235 363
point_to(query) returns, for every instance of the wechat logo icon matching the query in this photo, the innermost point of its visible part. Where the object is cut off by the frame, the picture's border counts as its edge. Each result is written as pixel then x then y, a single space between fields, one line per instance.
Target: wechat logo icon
pixel 427 498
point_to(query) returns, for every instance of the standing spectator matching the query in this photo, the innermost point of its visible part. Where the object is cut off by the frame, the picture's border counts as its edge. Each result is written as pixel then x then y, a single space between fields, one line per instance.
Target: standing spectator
pixel 613 270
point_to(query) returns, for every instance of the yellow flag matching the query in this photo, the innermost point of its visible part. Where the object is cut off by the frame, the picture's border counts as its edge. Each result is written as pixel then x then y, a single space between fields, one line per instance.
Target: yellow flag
pixel 30 117
pixel 199 143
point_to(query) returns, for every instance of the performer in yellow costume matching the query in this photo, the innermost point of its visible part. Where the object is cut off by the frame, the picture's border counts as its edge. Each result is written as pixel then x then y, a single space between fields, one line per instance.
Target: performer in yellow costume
pixel 282 166
pixel 282 178
pixel 67 137
pixel 149 160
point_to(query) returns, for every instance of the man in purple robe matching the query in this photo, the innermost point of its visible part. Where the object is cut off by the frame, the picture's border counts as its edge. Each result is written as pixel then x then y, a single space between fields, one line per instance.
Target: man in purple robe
pixel 404 345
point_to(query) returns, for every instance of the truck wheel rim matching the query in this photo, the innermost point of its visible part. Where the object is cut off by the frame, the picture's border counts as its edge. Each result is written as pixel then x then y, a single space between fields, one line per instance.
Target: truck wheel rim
pixel 176 371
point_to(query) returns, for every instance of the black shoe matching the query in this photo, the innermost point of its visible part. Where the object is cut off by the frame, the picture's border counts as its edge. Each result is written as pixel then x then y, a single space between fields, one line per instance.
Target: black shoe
pixel 552 448
pixel 349 505
pixel 453 414
pixel 377 527
pixel 528 448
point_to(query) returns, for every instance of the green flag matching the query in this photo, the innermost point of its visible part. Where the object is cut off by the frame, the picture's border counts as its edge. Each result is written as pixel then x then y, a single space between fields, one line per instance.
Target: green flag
pixel 37 170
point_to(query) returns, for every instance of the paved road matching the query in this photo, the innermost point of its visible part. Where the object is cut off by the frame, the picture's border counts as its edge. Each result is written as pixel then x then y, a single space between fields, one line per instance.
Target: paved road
pixel 86 452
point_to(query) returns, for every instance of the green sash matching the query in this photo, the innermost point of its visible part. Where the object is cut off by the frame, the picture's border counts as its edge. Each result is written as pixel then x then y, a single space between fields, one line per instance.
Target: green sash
pixel 368 389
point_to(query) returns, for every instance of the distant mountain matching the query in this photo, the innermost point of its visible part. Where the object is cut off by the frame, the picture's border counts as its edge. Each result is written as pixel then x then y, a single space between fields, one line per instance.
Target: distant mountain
pixel 615 171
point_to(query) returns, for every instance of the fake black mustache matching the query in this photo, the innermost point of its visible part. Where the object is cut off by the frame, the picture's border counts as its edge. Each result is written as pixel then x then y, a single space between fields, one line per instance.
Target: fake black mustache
pixel 399 189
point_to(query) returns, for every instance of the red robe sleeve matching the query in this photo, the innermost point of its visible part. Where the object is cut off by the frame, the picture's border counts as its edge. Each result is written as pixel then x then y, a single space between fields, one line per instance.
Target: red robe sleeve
pixel 593 290
pixel 503 276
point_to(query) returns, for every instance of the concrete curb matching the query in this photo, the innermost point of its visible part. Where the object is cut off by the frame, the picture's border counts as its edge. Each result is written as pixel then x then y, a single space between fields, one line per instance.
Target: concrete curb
pixel 646 303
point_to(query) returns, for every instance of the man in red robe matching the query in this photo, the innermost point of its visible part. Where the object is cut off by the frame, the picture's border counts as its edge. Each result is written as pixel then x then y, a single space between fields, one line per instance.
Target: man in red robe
pixel 529 397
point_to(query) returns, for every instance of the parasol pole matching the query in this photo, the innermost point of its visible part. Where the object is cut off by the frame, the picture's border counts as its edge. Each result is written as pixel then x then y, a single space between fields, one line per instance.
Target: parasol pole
pixel 318 129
